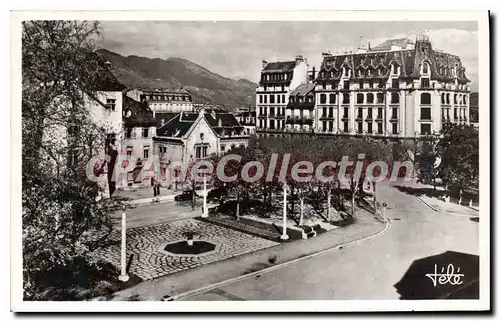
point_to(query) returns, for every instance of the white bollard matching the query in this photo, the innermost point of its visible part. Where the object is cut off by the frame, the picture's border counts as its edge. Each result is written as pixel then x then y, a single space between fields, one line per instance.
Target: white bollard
pixel 123 275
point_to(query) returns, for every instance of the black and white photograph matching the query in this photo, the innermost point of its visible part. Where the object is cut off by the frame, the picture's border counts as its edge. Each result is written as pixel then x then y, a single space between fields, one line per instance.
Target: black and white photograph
pixel 331 161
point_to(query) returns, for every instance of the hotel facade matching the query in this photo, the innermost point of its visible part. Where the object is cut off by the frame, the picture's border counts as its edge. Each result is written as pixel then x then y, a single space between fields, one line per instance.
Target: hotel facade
pixel 399 89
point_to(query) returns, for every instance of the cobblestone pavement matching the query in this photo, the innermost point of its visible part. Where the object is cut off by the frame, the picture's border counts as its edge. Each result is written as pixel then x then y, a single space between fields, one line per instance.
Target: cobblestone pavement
pixel 146 244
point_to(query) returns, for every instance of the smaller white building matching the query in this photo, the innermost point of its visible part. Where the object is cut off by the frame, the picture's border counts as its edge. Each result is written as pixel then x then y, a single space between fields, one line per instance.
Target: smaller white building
pixel 195 136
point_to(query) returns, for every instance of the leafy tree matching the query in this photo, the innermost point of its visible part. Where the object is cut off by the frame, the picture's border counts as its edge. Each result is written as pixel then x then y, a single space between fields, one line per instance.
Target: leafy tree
pixel 427 159
pixel 458 149
pixel 63 221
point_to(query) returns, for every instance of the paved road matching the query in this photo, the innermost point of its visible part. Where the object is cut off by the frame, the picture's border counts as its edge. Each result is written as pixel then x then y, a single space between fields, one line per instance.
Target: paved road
pixel 367 270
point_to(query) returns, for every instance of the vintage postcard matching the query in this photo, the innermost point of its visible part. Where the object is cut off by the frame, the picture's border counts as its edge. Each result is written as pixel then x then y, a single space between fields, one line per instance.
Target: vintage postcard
pixel 250 161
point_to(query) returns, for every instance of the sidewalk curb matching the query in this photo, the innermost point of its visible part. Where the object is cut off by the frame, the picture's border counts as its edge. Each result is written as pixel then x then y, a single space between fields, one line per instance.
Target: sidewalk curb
pixel 425 203
pixel 207 288
pixel 143 201
pixel 444 211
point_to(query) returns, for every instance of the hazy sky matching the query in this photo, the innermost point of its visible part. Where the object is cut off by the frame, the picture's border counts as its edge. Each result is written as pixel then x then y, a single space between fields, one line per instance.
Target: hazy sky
pixel 236 49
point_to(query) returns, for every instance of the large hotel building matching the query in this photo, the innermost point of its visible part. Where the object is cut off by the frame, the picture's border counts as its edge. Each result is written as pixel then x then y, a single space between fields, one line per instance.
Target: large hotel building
pixel 398 89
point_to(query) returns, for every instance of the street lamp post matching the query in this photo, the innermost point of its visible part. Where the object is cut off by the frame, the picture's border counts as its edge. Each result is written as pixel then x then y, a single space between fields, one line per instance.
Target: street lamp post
pixel 205 210
pixel 284 236
pixel 123 275
pixel 204 213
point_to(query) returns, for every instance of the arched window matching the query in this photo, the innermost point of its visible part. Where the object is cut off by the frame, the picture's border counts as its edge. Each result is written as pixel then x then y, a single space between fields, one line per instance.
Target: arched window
pixel 360 98
pixel 332 98
pixel 360 73
pixel 443 98
pixel 425 68
pixel 346 71
pixel 425 98
pixel 394 68
pixel 394 98
pixel 369 98
pixel 322 98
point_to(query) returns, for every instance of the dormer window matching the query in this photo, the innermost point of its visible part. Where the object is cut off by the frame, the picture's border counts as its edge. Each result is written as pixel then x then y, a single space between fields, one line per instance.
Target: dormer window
pixel 346 71
pixel 425 68
pixel 394 69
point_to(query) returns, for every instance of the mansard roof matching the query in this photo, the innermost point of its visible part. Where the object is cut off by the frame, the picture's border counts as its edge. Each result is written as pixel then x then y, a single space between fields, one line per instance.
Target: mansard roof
pixel 276 67
pixel 376 64
pixel 140 114
pixel 303 89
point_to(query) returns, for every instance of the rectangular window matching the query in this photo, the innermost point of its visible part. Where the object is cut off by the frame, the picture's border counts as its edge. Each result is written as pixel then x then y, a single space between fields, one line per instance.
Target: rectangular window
pixel 346 98
pixel 330 126
pixel 146 152
pixel 222 147
pixel 346 84
pixel 271 124
pixel 380 98
pixel 361 84
pixel 360 127
pixel 265 99
pixel 346 112
pixel 425 113
pixel 394 128
pixel 324 125
pixel 324 112
pixel 205 150
pixel 369 130
pixel 278 98
pixel 283 97
pixel 271 99
pixel 379 113
pixel 360 112
pixel 379 128
pixel 346 127
pixel 370 113
pixel 198 152
pixel 260 99
pixel 145 132
pixel 395 83
pixel 455 113
pixel 111 103
pixel 424 82
pixel 425 129
pixel 271 111
pixel 394 113
pixel 330 112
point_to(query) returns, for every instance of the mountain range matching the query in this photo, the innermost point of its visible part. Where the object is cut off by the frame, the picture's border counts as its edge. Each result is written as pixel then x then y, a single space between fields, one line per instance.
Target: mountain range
pixel 173 73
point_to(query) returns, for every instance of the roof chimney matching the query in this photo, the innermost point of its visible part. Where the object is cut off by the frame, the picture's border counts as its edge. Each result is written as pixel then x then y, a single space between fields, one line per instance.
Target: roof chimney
pixel 299 59
pixel 264 63
pixel 369 46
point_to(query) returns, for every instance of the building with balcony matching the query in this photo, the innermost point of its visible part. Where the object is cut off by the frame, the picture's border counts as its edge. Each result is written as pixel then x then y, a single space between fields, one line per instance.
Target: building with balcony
pixel 300 109
pixel 278 80
pixel 397 89
pixel 191 136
